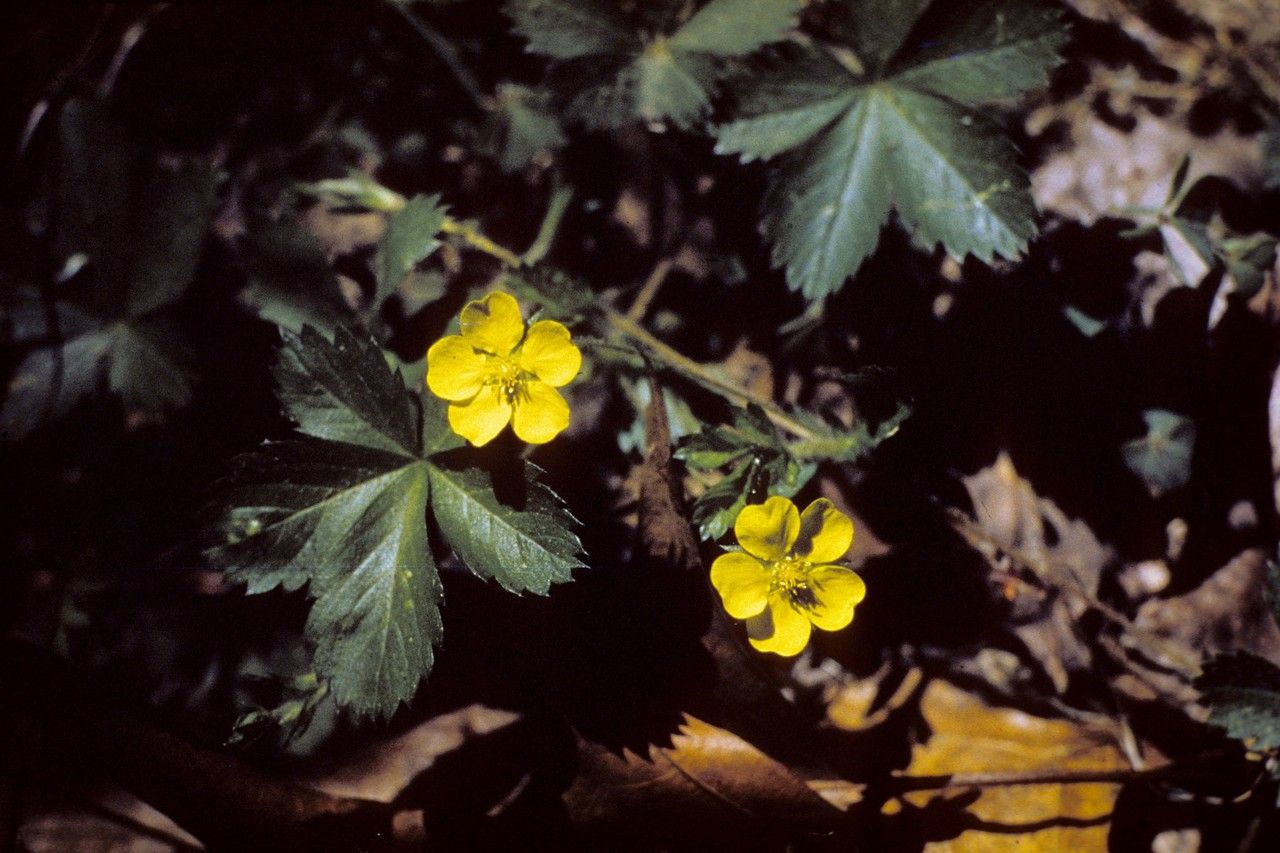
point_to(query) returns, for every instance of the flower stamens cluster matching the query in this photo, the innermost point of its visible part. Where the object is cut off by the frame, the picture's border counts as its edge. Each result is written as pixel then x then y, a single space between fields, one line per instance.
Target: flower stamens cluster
pixel 784 581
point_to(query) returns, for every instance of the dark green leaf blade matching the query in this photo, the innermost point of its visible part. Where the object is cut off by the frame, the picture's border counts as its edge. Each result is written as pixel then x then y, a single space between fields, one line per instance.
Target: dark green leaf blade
pixel 826 205
pixel 149 365
pixel 1243 694
pixel 567 29
pixel 880 28
pixel 954 176
pixel 520 128
pixel 174 217
pixel 410 239
pixel 736 27
pixel 344 391
pixel 291 282
pixel 525 549
pixel 349 522
pixel 996 50
pixel 786 106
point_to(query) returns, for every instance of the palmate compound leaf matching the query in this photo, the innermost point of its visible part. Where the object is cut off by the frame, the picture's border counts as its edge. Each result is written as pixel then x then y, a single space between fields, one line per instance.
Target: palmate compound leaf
pixel 615 76
pixel 348 522
pixel 343 512
pixel 128 235
pixel 906 136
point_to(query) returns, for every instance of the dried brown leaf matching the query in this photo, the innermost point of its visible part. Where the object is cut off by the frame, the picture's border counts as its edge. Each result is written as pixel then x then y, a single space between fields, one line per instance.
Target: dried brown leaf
pixel 970 737
pixel 709 783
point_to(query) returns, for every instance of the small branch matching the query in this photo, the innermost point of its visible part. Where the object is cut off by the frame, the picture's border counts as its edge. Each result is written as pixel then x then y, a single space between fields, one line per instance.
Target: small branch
pixel 473 237
pixel 556 208
pixel 704 376
pixel 640 306
pixel 902 784
pixel 444 49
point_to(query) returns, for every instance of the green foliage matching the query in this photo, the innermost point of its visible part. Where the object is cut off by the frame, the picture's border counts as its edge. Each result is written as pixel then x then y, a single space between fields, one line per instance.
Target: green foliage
pixel 344 511
pixel 758 464
pixel 1242 691
pixel 410 239
pixel 523 550
pixel 520 127
pixel 903 131
pixel 127 238
pixel 1162 457
pixel 613 74
pixel 291 283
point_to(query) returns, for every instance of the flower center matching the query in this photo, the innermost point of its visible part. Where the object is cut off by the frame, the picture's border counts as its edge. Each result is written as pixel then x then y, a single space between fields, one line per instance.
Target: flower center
pixel 790 576
pixel 508 376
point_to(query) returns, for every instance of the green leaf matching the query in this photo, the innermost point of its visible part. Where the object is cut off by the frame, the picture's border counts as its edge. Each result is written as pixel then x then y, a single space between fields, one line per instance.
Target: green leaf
pixel 785 107
pixel 670 76
pixel 349 523
pixel 344 391
pixel 144 362
pixel 736 27
pixel 671 84
pixel 907 137
pixel 1248 261
pixel 520 128
pixel 522 540
pixel 995 50
pixel 174 218
pixel 149 365
pixel 567 29
pixel 1162 458
pixel 880 28
pixel 291 282
pixel 760 465
pixel 410 239
pixel 1243 694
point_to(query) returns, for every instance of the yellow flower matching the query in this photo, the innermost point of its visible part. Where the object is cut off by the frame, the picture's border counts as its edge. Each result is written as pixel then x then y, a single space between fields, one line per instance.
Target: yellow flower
pixel 783 581
pixel 494 373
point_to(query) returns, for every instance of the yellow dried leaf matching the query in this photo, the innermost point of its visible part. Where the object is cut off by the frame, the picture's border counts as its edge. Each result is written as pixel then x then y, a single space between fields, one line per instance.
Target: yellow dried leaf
pixel 971 737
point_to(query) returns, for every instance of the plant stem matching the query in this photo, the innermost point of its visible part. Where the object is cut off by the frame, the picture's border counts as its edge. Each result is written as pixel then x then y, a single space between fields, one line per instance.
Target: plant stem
pixel 445 51
pixel 478 241
pixel 678 361
pixel 649 290
pixel 556 207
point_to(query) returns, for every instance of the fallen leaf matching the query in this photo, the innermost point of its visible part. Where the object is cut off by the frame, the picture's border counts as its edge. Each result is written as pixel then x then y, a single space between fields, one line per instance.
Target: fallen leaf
pixel 971 737
pixel 1011 520
pixel 709 785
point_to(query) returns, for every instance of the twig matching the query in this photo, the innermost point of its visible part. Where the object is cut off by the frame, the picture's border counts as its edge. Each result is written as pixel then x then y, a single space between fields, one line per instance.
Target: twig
pixel 673 358
pixel 556 208
pixel 444 50
pixel 474 238
pixel 902 784
pixel 652 284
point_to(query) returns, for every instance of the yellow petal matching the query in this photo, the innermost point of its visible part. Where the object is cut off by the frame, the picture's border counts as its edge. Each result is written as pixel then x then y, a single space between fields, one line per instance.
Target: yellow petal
pixel 493 324
pixel 768 530
pixel 548 353
pixel 455 371
pixel 743 584
pixel 780 629
pixel 837 591
pixel 825 533
pixel 481 418
pixel 541 413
